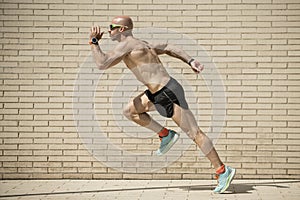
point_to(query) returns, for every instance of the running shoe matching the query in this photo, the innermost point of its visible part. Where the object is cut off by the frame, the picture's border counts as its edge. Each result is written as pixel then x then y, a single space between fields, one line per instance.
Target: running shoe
pixel 167 142
pixel 224 180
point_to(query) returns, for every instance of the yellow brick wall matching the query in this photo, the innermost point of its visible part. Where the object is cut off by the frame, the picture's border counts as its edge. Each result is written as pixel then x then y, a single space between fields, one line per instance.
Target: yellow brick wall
pixel 253 43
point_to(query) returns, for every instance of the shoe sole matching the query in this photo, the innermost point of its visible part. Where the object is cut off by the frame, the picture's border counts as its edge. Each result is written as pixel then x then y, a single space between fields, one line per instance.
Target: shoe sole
pixel 228 181
pixel 169 145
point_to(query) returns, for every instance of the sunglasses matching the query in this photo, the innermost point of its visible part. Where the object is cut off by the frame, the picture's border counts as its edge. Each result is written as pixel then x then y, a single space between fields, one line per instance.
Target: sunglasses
pixel 113 26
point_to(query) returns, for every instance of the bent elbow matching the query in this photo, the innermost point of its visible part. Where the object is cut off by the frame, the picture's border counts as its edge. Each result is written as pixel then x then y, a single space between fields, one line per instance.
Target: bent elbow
pixel 101 66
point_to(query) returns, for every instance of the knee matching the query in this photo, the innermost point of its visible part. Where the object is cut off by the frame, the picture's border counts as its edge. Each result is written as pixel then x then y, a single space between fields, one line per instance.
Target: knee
pixel 202 140
pixel 194 133
pixel 199 138
pixel 129 111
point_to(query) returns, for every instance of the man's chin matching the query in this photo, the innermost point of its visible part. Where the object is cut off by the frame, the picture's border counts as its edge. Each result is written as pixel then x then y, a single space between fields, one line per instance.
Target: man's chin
pixel 113 38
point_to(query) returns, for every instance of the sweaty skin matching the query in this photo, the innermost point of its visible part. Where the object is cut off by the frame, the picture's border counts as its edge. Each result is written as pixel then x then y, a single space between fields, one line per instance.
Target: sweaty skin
pixel 143 60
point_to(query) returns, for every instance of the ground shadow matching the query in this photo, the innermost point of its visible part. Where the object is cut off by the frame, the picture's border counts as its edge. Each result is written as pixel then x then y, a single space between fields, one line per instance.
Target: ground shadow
pixel 240 188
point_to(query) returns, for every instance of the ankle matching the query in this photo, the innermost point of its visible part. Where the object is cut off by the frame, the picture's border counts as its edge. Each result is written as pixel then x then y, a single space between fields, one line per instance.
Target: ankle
pixel 221 169
pixel 163 133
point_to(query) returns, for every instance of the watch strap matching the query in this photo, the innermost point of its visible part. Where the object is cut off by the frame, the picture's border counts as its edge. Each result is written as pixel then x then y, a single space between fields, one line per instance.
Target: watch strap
pixel 190 62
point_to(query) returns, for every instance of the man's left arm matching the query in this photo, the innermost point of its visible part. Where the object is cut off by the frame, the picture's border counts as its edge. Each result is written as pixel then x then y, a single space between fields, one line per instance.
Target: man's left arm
pixel 177 52
pixel 109 59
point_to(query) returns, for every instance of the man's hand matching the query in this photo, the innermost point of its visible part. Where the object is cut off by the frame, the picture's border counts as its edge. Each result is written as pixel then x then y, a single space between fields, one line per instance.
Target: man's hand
pixel 197 67
pixel 95 32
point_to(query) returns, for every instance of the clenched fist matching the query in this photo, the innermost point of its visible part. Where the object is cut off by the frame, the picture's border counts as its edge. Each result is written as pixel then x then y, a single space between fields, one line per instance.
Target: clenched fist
pixel 96 33
pixel 197 67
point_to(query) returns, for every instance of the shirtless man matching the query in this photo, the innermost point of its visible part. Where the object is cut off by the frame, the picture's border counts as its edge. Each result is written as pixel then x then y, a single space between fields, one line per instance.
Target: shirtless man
pixel 164 93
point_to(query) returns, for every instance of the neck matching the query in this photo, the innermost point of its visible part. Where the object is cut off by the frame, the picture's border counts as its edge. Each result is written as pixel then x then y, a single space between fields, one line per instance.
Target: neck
pixel 125 36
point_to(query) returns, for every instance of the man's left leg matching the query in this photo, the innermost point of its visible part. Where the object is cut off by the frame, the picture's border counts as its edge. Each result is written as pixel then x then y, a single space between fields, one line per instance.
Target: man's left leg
pixel 137 110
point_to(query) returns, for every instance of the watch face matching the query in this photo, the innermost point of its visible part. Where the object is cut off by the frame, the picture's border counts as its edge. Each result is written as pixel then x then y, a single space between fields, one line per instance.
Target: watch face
pixel 94 40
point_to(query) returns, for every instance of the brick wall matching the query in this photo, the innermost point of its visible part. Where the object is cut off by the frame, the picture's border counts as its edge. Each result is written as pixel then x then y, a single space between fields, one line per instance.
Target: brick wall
pixel 254 44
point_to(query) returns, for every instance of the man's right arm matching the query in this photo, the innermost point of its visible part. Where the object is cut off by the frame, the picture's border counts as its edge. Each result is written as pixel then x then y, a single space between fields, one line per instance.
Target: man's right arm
pixel 174 51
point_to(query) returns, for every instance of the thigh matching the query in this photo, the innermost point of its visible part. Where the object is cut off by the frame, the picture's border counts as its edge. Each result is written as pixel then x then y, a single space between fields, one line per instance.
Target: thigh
pixel 142 104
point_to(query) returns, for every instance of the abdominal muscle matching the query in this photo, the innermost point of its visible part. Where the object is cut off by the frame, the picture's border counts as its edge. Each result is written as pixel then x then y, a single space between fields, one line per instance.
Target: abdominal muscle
pixel 148 69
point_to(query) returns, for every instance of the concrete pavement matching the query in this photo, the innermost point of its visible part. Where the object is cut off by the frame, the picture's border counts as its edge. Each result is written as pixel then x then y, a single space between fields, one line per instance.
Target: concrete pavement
pixel 147 189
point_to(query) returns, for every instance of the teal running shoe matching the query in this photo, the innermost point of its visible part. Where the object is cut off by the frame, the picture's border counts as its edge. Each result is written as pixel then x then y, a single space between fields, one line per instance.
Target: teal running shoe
pixel 224 180
pixel 167 142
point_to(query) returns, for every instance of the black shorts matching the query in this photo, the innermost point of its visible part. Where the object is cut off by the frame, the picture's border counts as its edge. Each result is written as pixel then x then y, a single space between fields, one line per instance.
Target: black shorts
pixel 165 98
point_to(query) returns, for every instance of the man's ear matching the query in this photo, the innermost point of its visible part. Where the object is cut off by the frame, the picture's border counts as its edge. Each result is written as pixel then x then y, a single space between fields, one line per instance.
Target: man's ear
pixel 121 29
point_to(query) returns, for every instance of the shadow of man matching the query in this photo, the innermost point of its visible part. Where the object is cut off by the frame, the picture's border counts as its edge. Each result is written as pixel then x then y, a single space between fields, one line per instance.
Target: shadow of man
pixel 241 188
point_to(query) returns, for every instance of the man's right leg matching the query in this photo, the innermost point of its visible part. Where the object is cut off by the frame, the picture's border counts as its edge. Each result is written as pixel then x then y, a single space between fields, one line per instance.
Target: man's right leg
pixel 186 121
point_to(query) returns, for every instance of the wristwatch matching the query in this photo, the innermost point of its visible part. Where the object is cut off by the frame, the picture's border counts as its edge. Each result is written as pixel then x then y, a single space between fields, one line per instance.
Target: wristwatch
pixel 190 62
pixel 94 41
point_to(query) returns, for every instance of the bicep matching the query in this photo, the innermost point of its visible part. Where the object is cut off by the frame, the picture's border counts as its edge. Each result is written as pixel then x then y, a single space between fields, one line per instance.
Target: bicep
pixel 171 50
pixel 160 48
pixel 113 58
pixel 164 48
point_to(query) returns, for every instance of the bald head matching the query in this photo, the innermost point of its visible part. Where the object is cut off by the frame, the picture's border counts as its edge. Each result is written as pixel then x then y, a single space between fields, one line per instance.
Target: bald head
pixel 123 20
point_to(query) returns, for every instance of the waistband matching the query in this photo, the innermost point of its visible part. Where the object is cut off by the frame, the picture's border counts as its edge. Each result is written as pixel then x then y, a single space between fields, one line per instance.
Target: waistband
pixel 163 88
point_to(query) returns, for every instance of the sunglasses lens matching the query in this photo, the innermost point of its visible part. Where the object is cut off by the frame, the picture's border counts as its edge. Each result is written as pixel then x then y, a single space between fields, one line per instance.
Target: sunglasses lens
pixel 113 26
